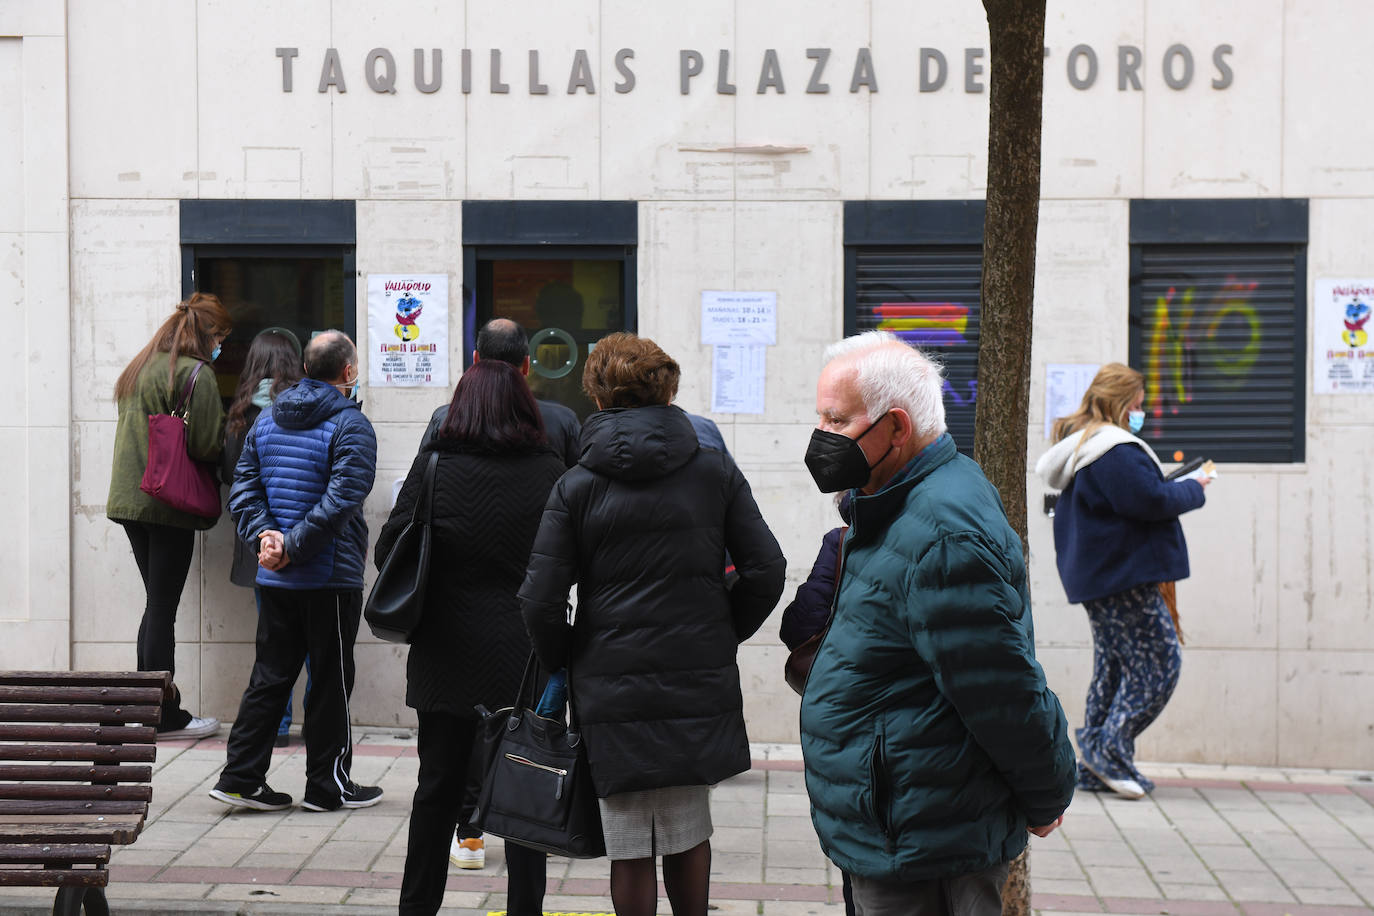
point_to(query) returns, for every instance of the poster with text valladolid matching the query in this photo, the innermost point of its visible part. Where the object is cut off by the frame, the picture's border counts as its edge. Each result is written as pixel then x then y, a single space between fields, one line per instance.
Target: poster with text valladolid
pixel 1342 348
pixel 407 330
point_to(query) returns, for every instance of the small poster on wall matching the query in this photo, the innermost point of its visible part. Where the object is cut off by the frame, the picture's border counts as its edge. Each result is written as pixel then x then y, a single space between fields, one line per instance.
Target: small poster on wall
pixel 1342 332
pixel 407 330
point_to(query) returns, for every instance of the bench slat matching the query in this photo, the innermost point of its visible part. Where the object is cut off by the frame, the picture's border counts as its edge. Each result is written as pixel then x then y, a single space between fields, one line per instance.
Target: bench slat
pixel 96 734
pixel 67 791
pixel 117 830
pixel 100 775
pixel 21 853
pixel 97 678
pixel 38 693
pixel 58 820
pixel 12 806
pixel 54 877
pixel 96 753
pixel 80 712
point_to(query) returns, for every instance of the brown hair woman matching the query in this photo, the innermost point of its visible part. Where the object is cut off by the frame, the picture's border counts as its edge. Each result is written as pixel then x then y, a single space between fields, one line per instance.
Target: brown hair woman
pixel 1116 540
pixel 642 526
pixel 163 538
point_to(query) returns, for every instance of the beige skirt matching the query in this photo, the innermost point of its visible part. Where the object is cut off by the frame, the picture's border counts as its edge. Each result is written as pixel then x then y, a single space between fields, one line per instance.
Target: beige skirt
pixel 656 822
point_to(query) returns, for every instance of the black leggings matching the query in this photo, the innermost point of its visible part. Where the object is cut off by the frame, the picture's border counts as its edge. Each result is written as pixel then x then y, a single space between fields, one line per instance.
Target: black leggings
pixel 163 555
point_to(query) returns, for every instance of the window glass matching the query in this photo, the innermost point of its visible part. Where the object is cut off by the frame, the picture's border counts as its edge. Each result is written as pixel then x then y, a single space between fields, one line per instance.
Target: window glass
pixel 305 294
pixel 565 305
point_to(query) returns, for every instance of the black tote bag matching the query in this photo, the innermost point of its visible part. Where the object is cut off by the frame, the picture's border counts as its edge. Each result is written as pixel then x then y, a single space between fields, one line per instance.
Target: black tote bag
pixel 537 789
pixel 397 600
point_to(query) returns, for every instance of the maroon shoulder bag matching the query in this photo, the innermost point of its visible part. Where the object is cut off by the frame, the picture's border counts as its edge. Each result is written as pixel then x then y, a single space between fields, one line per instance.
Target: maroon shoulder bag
pixel 173 476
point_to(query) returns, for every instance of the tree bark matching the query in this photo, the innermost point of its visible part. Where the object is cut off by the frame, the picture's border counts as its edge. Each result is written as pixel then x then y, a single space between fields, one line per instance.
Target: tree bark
pixel 1016 35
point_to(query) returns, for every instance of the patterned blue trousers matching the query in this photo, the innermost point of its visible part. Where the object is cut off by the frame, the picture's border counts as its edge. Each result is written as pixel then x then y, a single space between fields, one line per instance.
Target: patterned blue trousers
pixel 1136 661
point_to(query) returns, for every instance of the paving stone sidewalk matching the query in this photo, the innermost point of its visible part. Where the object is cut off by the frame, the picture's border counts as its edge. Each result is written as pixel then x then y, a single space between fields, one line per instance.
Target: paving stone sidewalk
pixel 1210 840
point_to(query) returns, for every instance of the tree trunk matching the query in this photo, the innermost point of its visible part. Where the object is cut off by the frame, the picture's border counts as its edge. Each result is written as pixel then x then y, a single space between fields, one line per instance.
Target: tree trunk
pixel 1016 33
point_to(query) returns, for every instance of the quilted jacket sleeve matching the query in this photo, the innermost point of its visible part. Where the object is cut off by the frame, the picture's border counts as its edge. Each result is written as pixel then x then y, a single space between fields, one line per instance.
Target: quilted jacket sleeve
pixel 550 575
pixel 247 496
pixel 352 468
pixel 973 628
pixel 758 559
pixel 810 610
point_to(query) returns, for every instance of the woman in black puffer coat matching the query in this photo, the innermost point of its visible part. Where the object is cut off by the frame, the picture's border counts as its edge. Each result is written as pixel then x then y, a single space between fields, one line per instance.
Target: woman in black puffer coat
pixel 642 525
pixel 492 480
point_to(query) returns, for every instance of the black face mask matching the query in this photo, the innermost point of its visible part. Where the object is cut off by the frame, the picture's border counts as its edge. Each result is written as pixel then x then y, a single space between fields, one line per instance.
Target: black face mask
pixel 837 462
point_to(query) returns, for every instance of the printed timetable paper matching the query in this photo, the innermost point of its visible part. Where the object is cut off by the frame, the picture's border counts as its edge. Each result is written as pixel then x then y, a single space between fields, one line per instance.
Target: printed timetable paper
pixel 737 379
pixel 733 318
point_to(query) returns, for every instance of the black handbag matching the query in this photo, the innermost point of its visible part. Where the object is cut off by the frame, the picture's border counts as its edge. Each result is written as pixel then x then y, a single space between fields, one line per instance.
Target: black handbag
pixel 397 600
pixel 537 789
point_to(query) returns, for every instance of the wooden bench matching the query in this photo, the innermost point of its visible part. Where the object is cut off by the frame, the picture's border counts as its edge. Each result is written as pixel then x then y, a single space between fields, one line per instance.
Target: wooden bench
pixel 76 749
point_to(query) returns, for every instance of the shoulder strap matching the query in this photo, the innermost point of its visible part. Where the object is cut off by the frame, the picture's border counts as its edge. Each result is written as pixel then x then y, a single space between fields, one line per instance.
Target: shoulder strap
pixel 180 409
pixel 424 504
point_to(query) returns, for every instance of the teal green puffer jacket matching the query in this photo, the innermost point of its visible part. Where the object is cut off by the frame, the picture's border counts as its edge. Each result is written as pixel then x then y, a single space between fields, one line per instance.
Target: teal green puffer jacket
pixel 931 738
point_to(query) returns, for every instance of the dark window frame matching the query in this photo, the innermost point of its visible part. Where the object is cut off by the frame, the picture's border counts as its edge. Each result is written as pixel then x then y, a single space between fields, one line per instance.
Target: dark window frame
pixel 271 229
pixel 537 230
pixel 1277 222
pixel 871 225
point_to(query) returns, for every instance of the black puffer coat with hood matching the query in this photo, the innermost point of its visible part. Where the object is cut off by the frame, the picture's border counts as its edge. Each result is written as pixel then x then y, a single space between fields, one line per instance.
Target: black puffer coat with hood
pixel 642 525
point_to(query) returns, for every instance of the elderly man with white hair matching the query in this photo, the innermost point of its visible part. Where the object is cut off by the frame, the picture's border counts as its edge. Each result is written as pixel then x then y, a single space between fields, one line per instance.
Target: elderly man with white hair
pixel 932 741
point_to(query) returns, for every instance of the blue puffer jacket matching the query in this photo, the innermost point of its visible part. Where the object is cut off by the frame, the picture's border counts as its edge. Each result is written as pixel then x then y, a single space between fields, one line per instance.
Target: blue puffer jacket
pixel 307 465
pixel 931 738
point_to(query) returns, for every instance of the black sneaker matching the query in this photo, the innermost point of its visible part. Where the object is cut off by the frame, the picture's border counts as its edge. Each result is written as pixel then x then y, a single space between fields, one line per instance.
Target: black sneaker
pixel 355 796
pixel 260 799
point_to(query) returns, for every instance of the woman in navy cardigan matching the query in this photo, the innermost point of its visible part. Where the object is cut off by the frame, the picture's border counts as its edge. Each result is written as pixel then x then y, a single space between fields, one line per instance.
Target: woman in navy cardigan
pixel 1116 540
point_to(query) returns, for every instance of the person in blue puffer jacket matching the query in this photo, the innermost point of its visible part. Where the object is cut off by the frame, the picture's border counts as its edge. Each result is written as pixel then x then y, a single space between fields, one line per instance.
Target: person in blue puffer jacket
pixel 307 465
pixel 1116 541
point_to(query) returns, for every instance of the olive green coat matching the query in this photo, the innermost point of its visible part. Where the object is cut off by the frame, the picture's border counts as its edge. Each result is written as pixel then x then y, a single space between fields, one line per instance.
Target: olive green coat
pixel 204 439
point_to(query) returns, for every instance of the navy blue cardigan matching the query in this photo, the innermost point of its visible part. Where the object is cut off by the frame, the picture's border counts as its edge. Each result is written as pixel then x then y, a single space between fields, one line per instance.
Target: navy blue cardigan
pixel 1116 525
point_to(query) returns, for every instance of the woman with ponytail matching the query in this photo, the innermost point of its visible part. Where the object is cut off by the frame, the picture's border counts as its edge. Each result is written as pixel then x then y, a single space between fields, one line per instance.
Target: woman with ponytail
pixel 1119 549
pixel 163 538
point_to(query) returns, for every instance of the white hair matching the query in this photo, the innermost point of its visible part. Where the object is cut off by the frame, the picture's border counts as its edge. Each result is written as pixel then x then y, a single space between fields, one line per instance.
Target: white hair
pixel 895 376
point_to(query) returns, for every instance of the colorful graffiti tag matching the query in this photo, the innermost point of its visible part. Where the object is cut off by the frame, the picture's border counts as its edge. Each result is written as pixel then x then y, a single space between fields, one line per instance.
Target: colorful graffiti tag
pixel 1221 336
pixel 932 325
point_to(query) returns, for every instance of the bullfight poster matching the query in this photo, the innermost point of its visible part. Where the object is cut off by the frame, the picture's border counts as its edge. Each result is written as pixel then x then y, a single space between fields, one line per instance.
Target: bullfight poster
pixel 407 330
pixel 1342 337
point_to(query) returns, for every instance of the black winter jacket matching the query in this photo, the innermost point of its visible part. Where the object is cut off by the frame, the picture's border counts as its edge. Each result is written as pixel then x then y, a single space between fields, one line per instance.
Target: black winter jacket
pixel 642 526
pixel 471 645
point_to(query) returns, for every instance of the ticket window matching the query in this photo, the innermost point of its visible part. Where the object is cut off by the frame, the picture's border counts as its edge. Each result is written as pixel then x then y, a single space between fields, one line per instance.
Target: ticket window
pixel 565 306
pixel 564 270
pixel 302 292
pixel 273 263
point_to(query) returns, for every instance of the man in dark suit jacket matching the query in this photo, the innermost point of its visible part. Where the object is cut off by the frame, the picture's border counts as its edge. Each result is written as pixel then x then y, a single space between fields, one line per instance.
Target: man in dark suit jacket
pixel 505 340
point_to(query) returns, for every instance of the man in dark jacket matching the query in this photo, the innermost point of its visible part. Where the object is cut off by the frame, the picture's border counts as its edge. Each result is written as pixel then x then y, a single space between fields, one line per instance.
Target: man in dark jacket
pixel 307 465
pixel 931 739
pixel 505 340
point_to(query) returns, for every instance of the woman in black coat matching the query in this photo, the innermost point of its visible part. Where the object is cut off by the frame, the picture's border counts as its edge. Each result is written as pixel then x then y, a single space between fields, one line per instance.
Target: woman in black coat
pixel 492 479
pixel 642 525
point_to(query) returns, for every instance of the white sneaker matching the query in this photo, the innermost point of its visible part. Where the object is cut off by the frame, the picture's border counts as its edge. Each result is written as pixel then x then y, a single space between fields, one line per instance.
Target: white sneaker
pixel 198 727
pixel 470 853
pixel 1126 788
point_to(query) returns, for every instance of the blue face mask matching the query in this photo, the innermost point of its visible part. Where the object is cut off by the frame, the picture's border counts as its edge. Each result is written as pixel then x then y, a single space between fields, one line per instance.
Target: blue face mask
pixel 1135 420
pixel 214 354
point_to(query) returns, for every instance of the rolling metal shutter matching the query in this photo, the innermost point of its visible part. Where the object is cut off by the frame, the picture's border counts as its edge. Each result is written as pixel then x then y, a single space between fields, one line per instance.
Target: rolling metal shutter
pixel 929 295
pixel 1219 332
